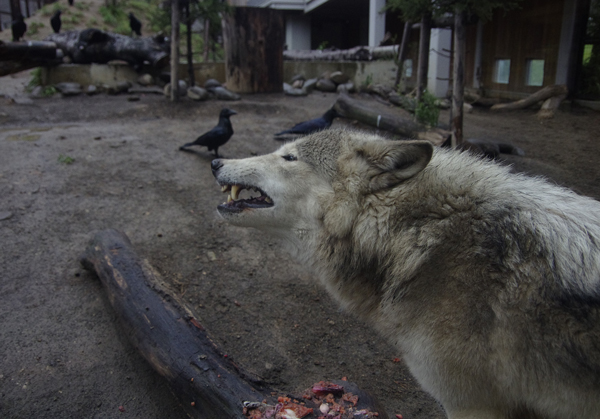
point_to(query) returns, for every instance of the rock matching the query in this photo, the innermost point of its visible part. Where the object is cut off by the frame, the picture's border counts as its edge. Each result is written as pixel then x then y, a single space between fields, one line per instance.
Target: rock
pixel 325 85
pixel 325 75
pixel 339 78
pixel 467 108
pixel 5 215
pixel 298 84
pixel 37 92
pixel 211 84
pixel 197 93
pixel 91 90
pixel 443 103
pixel 223 94
pixel 292 91
pixel 298 77
pixel 309 85
pixel 182 89
pixel 121 87
pixel 69 88
pixel 346 88
pixel 146 80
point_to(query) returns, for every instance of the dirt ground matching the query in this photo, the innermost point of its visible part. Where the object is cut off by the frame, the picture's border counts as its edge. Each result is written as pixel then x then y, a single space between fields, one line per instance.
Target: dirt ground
pixel 72 166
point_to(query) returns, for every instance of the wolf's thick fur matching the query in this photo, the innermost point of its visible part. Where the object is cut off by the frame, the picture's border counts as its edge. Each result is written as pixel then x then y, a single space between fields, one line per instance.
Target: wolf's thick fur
pixel 489 282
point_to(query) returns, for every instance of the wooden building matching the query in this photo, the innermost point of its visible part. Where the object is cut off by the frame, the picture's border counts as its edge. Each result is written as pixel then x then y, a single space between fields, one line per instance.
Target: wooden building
pixel 520 51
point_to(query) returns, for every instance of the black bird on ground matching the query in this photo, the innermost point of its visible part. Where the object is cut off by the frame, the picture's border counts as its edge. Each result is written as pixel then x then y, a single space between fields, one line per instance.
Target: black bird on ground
pixel 55 21
pixel 19 27
pixel 217 136
pixel 313 125
pixel 70 2
pixel 135 24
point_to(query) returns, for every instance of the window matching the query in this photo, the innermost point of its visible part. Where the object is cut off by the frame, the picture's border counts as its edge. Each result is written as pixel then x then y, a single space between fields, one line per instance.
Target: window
pixel 408 68
pixel 535 73
pixel 502 71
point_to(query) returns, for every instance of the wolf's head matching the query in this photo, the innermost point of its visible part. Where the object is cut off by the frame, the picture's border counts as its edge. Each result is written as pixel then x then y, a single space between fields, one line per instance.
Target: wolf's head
pixel 317 181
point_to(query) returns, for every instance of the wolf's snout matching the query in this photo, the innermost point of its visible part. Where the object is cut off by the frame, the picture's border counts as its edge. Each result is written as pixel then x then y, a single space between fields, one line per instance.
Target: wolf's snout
pixel 215 165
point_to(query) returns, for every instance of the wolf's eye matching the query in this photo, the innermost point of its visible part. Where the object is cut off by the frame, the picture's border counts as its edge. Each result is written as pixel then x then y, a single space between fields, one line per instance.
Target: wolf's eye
pixel 290 157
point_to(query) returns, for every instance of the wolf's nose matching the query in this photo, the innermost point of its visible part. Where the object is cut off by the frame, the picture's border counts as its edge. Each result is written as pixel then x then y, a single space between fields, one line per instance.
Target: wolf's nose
pixel 215 165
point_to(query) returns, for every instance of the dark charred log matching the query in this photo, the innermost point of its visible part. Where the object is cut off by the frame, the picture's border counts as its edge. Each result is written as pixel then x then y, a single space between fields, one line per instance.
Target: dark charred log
pixel 166 333
pixel 96 46
pixel 19 56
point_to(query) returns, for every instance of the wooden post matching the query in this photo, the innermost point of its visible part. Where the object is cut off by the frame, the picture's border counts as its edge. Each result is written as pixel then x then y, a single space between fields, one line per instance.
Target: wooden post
pixel 424 40
pixel 174 50
pixel 206 40
pixel 254 39
pixel 15 9
pixel 458 77
pixel 190 57
pixel 402 53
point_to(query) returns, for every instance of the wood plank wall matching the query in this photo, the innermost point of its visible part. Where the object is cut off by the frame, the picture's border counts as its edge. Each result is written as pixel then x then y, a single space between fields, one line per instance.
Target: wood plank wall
pixel 532 32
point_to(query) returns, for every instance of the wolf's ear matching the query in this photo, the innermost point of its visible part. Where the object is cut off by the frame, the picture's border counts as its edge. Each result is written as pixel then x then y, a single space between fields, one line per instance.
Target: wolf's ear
pixel 392 162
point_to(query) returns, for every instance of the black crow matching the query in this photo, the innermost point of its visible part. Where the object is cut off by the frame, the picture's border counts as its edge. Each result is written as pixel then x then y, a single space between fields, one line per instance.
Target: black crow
pixel 135 24
pixel 313 125
pixel 19 27
pixel 70 2
pixel 217 136
pixel 55 21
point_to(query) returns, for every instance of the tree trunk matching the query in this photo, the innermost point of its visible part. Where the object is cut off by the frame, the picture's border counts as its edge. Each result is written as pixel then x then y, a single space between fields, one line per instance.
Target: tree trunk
pixel 458 77
pixel 190 57
pixel 166 333
pixel 206 40
pixel 174 50
pixel 96 46
pixel 424 40
pixel 408 128
pixel 254 39
pixel 542 94
pixel 402 52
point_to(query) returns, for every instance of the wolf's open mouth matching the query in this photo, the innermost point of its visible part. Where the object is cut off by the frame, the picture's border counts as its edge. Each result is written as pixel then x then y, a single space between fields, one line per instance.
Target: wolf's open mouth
pixel 236 204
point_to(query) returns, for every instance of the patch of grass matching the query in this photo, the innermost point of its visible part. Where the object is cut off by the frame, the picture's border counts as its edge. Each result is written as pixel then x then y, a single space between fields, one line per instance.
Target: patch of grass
pixel 36 80
pixel 34 27
pixel 65 159
pixel 93 22
pixel 82 6
pixel 427 111
pixel 47 11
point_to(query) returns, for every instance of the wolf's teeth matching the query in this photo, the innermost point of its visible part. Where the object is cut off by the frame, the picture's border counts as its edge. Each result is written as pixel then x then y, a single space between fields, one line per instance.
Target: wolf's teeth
pixel 224 188
pixel 229 199
pixel 235 191
pixel 268 200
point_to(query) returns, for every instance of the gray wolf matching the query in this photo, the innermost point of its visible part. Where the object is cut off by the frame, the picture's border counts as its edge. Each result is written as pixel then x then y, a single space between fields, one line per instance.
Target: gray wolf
pixel 486 280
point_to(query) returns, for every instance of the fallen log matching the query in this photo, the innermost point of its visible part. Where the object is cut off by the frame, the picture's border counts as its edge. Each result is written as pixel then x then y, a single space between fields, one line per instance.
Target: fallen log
pixel 540 95
pixel 361 53
pixel 95 46
pixel 349 108
pixel 550 106
pixel 19 56
pixel 166 333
